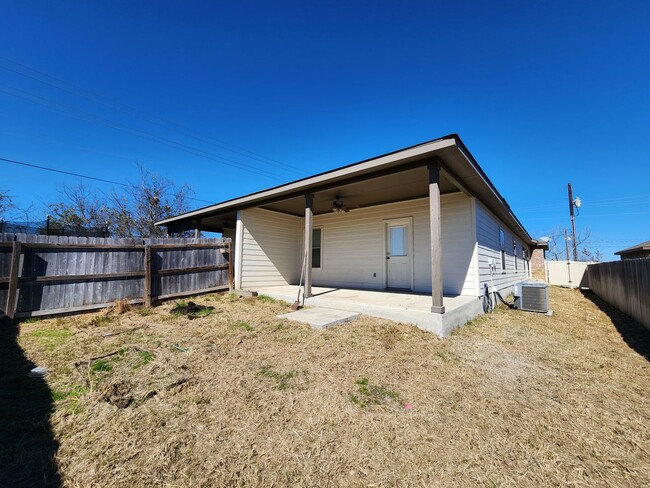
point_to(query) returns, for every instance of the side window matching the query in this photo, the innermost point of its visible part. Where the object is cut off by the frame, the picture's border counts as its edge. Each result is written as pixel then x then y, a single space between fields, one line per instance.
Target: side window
pixel 514 252
pixel 524 256
pixel 502 247
pixel 316 247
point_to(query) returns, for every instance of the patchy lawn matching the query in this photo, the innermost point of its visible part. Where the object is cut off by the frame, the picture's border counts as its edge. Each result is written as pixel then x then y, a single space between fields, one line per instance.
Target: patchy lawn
pixel 233 396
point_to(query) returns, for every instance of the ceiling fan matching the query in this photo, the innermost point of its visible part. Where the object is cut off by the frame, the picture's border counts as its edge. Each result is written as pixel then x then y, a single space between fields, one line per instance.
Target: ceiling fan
pixel 339 206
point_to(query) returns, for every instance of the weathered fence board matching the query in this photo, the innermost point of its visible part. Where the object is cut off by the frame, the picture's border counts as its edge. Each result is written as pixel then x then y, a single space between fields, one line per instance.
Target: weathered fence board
pixel 66 274
pixel 625 285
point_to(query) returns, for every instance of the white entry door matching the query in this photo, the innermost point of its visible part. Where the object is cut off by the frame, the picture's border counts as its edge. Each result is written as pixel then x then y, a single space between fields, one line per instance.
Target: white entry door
pixel 399 266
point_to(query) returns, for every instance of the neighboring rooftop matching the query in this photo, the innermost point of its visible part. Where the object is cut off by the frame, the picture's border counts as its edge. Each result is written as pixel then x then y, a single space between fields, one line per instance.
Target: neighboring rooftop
pixel 644 246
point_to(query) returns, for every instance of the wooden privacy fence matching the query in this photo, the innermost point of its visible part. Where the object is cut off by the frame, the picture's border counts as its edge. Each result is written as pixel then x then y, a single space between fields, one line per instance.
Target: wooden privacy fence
pixel 625 285
pixel 49 275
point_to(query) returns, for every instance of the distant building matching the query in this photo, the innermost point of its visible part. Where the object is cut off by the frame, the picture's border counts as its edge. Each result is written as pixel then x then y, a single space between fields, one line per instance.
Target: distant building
pixel 639 251
pixel 537 258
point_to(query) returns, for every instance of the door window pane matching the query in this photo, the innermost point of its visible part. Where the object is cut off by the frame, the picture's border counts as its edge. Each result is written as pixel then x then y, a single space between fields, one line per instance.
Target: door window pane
pixel 398 241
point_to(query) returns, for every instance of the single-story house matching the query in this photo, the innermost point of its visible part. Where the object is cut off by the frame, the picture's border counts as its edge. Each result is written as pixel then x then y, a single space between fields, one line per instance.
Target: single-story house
pixel 639 251
pixel 424 227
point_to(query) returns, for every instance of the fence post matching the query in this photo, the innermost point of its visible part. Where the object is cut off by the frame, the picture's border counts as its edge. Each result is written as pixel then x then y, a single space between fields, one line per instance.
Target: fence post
pixel 147 275
pixel 12 293
pixel 230 283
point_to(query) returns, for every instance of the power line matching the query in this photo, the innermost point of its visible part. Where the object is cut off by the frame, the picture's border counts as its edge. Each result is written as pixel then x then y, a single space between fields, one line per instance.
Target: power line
pixel 54 170
pixel 629 200
pixel 79 175
pixel 89 95
pixel 591 215
pixel 33 138
pixel 82 114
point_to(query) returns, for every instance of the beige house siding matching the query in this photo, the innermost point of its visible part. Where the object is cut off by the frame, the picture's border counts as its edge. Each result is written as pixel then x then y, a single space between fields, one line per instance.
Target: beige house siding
pixel 271 248
pixel 458 245
pixel 487 235
pixel 353 250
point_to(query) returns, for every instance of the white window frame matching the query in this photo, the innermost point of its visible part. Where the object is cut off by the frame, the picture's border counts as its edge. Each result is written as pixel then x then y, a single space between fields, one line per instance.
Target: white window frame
pixel 524 257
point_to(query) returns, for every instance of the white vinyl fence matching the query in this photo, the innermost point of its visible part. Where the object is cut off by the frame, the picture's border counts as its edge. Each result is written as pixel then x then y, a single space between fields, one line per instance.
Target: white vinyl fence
pixel 567 273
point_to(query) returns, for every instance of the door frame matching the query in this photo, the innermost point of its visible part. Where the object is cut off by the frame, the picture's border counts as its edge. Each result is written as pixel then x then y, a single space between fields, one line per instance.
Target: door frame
pixel 411 247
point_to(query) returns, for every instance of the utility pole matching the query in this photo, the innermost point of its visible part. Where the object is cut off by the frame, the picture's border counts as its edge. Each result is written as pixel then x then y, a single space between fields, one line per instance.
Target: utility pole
pixel 566 243
pixel 573 225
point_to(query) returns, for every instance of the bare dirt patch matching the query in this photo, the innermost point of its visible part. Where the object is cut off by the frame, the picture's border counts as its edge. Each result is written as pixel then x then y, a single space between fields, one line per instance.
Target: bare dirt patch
pixel 239 397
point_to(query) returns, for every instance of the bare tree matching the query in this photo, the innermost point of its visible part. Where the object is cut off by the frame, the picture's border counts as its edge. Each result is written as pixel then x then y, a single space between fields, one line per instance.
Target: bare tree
pixel 6 203
pixel 136 209
pixel 128 211
pixel 80 207
pixel 557 245
pixel 589 255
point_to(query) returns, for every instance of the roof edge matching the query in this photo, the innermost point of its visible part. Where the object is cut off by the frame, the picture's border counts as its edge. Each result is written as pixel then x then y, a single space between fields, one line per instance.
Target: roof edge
pixel 288 185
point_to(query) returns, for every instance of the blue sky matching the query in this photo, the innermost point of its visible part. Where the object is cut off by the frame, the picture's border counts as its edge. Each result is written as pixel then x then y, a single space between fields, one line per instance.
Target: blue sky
pixel 543 93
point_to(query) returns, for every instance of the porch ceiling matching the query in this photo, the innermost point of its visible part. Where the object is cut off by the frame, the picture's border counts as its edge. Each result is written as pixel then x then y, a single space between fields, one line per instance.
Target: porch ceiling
pixel 394 187
pixel 405 185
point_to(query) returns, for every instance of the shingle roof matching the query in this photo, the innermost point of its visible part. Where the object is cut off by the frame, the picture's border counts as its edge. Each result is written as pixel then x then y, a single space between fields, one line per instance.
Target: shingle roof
pixel 639 247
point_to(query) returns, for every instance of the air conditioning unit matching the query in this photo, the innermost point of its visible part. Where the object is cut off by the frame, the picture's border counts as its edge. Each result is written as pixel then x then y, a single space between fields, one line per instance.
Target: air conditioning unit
pixel 531 296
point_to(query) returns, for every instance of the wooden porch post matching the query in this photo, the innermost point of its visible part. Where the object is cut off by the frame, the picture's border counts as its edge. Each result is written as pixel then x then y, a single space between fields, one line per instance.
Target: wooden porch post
pixel 436 238
pixel 14 287
pixel 309 224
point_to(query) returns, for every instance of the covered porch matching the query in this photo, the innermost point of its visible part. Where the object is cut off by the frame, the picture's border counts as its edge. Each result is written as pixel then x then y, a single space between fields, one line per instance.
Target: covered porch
pixel 379 222
pixel 410 308
pixel 377 232
pixel 352 236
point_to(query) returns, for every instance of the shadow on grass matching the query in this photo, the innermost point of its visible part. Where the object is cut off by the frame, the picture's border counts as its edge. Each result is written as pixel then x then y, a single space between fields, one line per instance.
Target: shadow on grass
pixel 27 444
pixel 633 333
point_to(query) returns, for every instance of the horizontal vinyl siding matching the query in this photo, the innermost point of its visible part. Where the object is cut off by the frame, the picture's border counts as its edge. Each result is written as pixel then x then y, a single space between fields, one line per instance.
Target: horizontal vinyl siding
pixel 271 248
pixel 487 234
pixel 353 250
pixel 458 246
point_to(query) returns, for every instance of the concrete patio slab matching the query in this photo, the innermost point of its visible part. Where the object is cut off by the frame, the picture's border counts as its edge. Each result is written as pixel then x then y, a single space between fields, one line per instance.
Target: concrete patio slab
pixel 320 318
pixel 409 308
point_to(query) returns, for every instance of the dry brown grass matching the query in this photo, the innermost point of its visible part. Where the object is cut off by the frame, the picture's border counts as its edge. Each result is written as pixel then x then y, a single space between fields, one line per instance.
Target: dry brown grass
pixel 241 398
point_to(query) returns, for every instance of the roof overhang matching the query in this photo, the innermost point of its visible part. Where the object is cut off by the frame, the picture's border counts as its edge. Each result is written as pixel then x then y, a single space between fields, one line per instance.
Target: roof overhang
pixel 404 169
